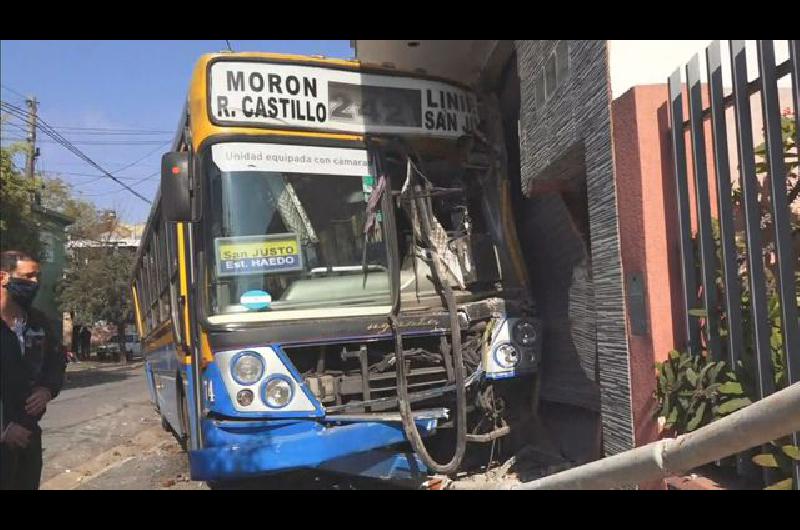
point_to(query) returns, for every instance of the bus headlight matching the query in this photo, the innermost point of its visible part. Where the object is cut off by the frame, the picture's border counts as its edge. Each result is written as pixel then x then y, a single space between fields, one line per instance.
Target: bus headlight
pixel 247 367
pixel 278 391
pixel 506 356
pixel 244 397
pixel 524 333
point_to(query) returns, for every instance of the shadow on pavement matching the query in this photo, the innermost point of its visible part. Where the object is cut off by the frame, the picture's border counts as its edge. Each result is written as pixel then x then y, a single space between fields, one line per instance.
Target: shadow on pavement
pixel 97 377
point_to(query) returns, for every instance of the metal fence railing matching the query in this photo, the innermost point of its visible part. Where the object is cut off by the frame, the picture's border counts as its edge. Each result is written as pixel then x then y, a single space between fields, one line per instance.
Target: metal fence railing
pixel 719 322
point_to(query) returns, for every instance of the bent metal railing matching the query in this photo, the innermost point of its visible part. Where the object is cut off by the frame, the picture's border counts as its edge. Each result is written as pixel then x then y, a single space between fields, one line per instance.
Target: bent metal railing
pixel 706 314
pixel 765 420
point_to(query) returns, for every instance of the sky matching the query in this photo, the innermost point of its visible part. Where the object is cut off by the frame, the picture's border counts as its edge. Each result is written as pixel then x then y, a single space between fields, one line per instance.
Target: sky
pixel 118 102
pixel 640 62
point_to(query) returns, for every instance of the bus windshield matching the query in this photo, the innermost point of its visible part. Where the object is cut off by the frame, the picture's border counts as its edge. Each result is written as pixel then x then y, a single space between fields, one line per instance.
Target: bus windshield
pixel 292 240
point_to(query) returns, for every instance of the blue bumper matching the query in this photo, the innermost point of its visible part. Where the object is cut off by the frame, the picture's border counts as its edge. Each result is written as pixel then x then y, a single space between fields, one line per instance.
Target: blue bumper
pixel 237 449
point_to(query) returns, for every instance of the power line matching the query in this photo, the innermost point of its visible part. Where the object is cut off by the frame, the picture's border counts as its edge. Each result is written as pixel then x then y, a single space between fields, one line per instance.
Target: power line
pixel 89 142
pixel 112 133
pixel 13 91
pixel 81 164
pixel 158 147
pixel 148 154
pixel 112 130
pixel 115 133
pixel 49 131
pixel 15 125
pixel 90 175
pixel 140 181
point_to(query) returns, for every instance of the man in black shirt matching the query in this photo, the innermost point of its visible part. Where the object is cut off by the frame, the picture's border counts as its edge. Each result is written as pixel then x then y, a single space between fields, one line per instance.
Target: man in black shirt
pixel 32 371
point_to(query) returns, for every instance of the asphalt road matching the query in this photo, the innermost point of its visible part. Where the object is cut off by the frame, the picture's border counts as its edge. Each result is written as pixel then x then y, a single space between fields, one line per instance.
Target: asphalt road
pixel 103 423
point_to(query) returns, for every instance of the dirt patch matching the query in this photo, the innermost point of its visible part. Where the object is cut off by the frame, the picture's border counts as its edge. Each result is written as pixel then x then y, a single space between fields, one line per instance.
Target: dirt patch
pixel 138 445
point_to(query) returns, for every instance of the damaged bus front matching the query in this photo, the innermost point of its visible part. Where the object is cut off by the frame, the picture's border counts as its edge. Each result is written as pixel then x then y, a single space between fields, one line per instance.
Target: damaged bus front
pixel 348 291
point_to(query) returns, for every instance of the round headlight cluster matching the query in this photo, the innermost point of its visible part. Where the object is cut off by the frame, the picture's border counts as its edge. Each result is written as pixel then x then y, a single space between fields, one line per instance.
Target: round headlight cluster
pixel 247 368
pixel 506 356
pixel 278 391
pixel 524 333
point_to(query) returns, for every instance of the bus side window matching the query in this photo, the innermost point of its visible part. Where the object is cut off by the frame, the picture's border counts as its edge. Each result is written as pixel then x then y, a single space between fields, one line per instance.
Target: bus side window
pixel 173 280
pixel 161 266
pixel 146 291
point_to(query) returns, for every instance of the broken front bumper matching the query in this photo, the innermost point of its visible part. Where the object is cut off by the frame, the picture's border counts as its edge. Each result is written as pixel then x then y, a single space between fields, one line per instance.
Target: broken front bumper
pixel 241 449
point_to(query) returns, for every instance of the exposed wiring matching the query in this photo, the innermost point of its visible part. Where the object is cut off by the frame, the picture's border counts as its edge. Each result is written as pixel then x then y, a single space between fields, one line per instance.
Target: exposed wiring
pixel 409 425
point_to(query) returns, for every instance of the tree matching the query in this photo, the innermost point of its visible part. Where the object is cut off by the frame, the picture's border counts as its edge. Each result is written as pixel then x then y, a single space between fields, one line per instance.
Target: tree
pixel 95 287
pixel 18 227
pixel 56 195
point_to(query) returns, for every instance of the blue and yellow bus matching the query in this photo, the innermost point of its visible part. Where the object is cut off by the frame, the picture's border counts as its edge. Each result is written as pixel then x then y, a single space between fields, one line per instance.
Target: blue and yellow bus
pixel 330 276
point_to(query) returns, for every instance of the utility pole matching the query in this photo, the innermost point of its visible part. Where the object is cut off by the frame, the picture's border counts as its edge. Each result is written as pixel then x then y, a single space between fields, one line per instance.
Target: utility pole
pixel 33 151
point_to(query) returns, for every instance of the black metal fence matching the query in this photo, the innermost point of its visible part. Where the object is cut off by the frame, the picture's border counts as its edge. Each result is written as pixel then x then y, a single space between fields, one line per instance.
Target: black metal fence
pixel 748 270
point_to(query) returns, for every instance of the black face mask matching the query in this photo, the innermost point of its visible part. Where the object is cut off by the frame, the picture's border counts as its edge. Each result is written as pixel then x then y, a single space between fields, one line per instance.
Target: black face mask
pixel 22 291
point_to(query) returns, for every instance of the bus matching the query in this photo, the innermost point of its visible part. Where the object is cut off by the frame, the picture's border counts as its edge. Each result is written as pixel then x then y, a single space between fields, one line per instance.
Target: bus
pixel 330 276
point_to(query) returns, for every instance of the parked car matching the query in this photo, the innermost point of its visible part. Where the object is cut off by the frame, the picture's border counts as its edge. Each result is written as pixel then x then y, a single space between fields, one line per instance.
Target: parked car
pixel 132 346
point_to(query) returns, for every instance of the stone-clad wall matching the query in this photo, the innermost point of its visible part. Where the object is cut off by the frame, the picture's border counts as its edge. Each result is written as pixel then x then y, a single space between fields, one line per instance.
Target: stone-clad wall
pixel 576 118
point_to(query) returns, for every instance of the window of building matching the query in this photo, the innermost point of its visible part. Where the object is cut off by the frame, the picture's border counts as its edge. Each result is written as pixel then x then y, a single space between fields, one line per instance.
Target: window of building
pixel 539 87
pixel 562 62
pixel 552 74
pixel 48 241
pixel 550 81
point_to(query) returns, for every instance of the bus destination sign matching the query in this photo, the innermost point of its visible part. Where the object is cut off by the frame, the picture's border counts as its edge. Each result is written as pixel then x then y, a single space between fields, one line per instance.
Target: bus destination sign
pixel 283 95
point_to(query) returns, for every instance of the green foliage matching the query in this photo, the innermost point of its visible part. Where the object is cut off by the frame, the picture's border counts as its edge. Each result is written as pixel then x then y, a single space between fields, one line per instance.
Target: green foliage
pixel 785 484
pixel 96 286
pixel 780 456
pixel 18 227
pixel 88 224
pixel 693 391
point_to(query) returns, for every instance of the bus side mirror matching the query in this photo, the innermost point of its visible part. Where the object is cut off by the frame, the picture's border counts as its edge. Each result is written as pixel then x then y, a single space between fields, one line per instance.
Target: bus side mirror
pixel 176 203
